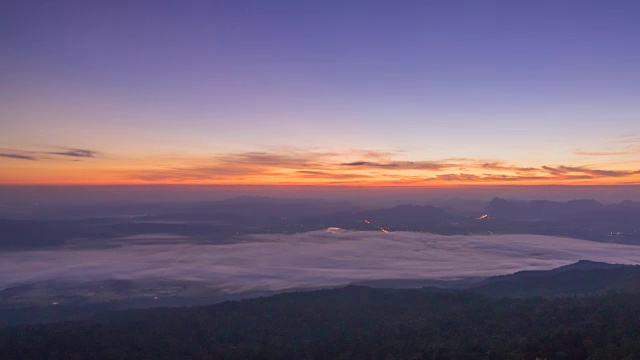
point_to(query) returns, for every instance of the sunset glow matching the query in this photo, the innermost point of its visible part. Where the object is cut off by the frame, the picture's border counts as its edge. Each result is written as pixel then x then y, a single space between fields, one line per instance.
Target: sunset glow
pixel 282 93
pixel 296 167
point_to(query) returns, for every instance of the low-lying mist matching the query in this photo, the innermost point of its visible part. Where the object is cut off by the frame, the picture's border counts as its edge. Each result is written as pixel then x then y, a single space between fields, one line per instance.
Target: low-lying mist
pixel 312 259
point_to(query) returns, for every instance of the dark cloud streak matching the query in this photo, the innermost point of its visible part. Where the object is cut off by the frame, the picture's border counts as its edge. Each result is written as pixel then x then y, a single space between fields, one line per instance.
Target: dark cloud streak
pixel 71 152
pixel 19 157
pixel 401 165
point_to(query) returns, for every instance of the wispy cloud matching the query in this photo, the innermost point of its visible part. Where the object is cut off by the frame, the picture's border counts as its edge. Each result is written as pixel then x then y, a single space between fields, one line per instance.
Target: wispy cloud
pixel 214 172
pixel 463 177
pixel 46 155
pixel 18 157
pixel 332 176
pixel 498 165
pixel 291 163
pixel 625 144
pixel 348 166
pixel 297 166
pixel 604 153
pixel 71 152
pixel 631 136
pixel 403 165
pixel 562 170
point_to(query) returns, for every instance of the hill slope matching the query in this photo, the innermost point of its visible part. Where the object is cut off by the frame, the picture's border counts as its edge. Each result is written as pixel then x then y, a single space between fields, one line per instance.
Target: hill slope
pixel 349 323
pixel 581 278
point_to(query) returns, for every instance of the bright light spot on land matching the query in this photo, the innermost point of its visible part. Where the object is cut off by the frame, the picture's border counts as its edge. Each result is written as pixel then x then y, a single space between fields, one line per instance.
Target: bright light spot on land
pixel 482 217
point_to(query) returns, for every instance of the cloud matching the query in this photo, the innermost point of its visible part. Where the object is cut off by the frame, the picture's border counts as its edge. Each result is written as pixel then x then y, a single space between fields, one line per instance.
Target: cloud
pixel 493 178
pixel 629 138
pixel 312 259
pixel 277 164
pixel 199 173
pixel 80 153
pixel 293 166
pixel 552 173
pixel 498 165
pixel 625 144
pixel 458 177
pixel 18 156
pixel 45 155
pixel 401 165
pixel 330 175
pixel 604 153
pixel 561 170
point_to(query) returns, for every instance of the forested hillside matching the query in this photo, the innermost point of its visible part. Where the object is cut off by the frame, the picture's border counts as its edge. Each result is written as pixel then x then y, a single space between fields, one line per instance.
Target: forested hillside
pixel 350 323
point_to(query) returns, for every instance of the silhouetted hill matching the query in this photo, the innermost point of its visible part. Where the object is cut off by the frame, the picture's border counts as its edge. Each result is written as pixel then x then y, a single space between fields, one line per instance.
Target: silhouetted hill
pixel 279 207
pixel 220 221
pixel 628 204
pixel 538 209
pixel 581 278
pixel 628 218
pixel 587 265
pixel 26 234
pixel 348 323
pixel 220 217
pixel 408 214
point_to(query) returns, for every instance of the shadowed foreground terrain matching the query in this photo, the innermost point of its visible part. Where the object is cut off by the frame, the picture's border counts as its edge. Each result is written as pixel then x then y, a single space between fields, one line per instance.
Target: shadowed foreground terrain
pixel 350 323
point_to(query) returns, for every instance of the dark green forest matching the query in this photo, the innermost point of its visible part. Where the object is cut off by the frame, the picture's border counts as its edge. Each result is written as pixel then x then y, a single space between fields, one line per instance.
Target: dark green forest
pixel 350 323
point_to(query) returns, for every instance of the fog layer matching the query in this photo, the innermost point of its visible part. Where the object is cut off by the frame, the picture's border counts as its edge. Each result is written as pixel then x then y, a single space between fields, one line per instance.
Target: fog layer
pixel 319 258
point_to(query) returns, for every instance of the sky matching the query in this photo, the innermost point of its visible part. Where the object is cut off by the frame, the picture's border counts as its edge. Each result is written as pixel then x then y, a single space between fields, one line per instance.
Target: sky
pixel 351 93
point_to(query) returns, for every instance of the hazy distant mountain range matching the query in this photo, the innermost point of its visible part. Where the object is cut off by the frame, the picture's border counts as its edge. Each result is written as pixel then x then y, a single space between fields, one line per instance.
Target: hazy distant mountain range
pixel 217 221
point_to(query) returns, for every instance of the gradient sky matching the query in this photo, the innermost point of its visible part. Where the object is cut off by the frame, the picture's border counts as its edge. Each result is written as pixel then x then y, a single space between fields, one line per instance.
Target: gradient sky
pixel 320 92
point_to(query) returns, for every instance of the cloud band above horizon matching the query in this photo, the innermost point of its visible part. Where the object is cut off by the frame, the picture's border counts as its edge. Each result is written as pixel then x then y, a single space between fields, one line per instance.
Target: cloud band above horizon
pixel 292 166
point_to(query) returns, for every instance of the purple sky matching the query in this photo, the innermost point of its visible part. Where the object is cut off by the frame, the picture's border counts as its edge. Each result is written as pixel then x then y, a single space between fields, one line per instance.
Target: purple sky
pixel 170 84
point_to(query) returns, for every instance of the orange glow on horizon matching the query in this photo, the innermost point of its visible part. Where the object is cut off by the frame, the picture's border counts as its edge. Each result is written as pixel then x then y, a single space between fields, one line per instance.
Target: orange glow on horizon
pixel 303 169
pixel 113 180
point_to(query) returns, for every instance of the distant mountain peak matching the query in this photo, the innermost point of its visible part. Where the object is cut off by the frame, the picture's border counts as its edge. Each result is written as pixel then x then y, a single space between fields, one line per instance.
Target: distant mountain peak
pixel 587 265
pixel 539 209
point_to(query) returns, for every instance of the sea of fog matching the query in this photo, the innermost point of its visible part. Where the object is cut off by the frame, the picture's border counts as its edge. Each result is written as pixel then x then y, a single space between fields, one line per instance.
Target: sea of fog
pixel 312 259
